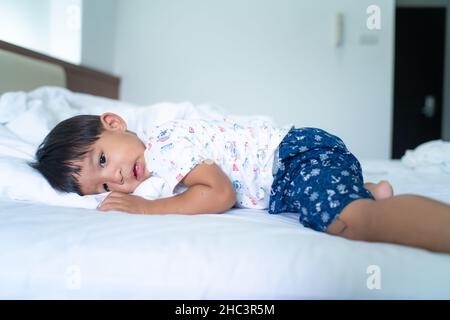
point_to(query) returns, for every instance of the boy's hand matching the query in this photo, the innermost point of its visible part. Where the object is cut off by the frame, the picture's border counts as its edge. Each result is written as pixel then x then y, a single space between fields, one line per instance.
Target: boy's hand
pixel 119 201
pixel 209 191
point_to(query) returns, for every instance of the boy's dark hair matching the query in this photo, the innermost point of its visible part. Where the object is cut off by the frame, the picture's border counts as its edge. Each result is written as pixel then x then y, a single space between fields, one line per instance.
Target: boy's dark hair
pixel 68 142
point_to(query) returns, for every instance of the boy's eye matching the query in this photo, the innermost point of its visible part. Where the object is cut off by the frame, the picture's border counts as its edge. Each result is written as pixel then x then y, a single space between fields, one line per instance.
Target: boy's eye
pixel 102 160
pixel 105 186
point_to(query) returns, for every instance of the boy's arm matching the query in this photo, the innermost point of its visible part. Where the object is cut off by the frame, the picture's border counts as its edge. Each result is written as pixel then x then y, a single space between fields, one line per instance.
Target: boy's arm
pixel 209 191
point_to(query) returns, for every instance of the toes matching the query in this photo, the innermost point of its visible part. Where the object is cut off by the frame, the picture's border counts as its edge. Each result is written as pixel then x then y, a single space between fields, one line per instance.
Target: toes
pixel 384 189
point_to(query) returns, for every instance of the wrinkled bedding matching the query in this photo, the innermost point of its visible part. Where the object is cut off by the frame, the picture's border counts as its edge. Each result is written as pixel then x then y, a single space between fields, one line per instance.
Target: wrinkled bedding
pixel 59 246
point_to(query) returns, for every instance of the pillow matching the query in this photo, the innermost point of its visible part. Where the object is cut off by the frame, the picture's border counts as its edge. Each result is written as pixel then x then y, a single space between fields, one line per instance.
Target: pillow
pixel 18 181
pixel 12 145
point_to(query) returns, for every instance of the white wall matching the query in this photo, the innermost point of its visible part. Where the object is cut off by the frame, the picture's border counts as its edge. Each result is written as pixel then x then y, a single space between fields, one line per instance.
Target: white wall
pixel 65 31
pixel 98 37
pixel 272 57
pixel 53 27
pixel 48 26
pixel 26 23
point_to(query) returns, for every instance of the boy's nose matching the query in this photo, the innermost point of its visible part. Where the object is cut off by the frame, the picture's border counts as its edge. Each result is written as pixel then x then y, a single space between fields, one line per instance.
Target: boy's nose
pixel 116 177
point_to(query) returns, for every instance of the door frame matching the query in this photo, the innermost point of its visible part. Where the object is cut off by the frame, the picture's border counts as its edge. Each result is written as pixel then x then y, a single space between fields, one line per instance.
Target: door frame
pixel 445 131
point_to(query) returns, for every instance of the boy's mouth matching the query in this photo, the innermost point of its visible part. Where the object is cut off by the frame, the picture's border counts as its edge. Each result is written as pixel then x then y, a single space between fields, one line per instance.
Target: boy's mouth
pixel 137 170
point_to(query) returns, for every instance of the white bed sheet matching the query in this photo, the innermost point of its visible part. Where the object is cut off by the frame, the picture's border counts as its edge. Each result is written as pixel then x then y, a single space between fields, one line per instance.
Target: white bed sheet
pixel 71 253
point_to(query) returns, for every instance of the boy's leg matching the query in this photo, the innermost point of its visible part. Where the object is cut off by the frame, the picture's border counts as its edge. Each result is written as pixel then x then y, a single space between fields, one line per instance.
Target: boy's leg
pixel 406 219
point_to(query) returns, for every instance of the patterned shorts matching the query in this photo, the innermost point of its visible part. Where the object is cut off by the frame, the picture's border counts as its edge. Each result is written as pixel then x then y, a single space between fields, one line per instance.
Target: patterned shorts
pixel 317 177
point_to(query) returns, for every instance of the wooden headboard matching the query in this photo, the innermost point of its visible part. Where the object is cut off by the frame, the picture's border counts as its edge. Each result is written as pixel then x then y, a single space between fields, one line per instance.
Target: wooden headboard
pixel 56 72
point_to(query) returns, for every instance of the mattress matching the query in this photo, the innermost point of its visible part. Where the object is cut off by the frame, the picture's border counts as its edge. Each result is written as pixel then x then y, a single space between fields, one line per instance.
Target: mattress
pixel 72 253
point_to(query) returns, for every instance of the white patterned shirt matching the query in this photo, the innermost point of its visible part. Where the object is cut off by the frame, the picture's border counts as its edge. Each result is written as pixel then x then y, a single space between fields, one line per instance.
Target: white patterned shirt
pixel 244 151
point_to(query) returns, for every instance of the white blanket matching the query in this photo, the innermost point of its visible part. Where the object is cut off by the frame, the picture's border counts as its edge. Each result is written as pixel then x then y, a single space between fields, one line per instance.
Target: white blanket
pixel 31 115
pixel 431 156
pixel 27 117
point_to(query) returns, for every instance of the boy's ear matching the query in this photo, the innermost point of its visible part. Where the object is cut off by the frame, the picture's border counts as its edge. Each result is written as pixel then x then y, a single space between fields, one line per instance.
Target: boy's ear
pixel 112 121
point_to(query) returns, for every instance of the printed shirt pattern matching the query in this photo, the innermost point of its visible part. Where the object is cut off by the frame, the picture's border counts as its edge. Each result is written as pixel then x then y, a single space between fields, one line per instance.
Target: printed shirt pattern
pixel 244 151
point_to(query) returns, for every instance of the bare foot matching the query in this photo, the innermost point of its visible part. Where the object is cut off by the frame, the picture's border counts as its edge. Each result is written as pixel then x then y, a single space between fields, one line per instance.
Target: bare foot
pixel 380 190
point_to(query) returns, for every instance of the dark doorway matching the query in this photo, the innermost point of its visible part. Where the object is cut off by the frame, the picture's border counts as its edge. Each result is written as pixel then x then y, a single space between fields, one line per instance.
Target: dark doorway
pixel 418 84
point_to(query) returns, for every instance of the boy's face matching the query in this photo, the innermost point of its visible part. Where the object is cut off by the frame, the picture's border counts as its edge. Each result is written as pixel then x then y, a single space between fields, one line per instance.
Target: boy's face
pixel 115 161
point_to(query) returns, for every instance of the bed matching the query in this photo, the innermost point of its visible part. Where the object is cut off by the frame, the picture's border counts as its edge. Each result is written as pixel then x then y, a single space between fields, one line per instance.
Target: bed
pixel 60 250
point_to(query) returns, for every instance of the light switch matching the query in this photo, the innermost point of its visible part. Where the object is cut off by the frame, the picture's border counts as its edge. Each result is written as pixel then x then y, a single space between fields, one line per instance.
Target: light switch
pixel 338 29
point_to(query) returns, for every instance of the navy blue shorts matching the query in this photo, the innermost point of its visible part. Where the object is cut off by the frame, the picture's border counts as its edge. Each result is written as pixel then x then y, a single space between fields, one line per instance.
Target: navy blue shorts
pixel 317 177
